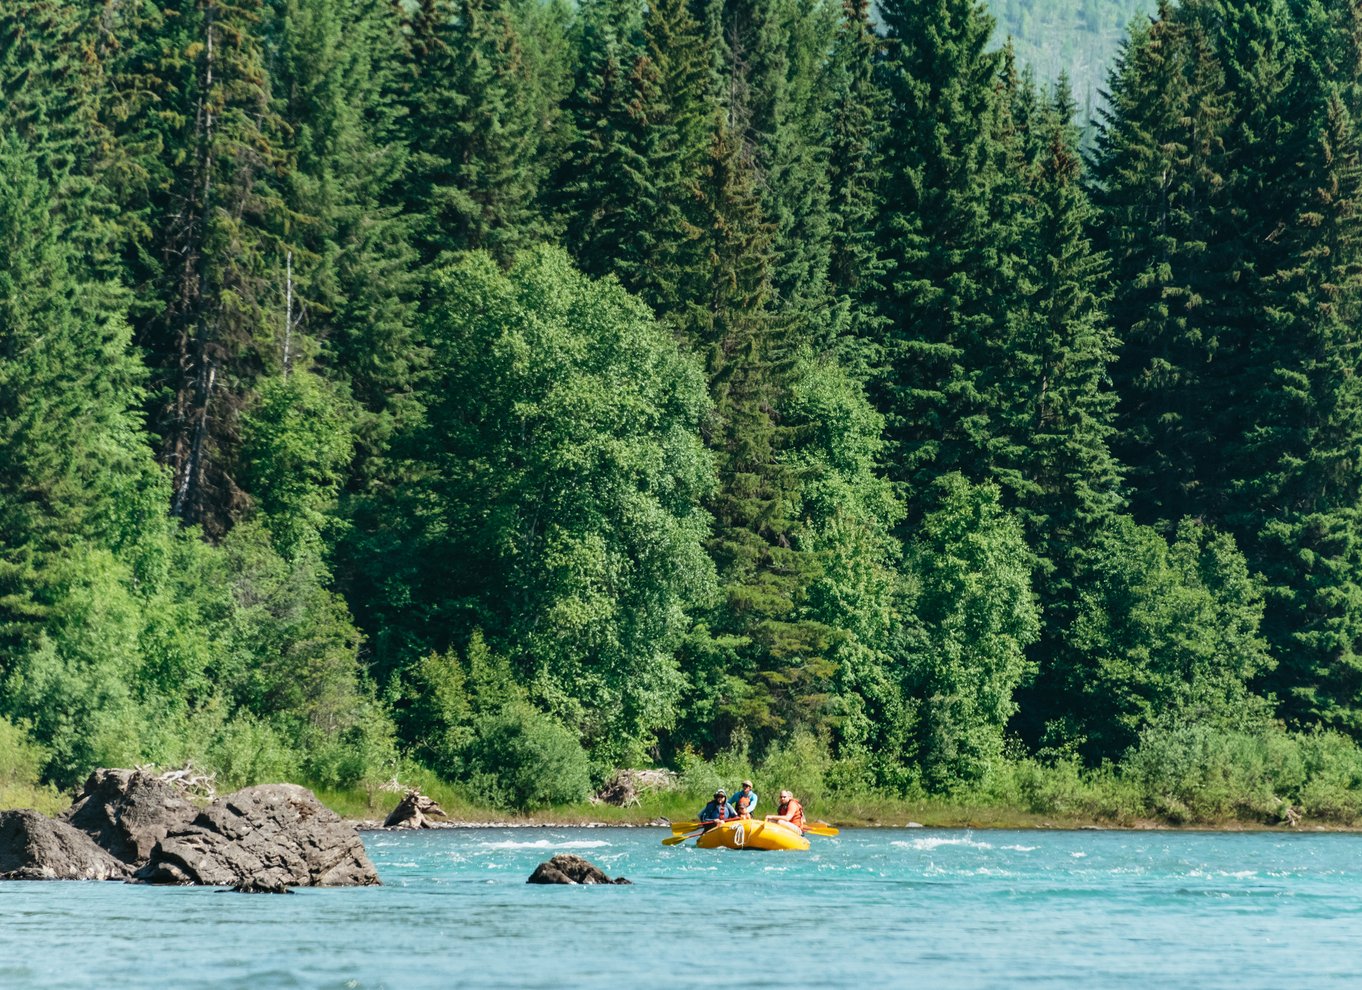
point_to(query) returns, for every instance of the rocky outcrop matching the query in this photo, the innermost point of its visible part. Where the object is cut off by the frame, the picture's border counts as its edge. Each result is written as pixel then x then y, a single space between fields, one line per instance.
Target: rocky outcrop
pixel 126 812
pixel 570 869
pixel 412 811
pixel 35 847
pixel 271 836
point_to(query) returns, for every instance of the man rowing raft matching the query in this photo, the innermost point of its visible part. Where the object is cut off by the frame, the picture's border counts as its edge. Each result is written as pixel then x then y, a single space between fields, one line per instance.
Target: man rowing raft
pixel 789 813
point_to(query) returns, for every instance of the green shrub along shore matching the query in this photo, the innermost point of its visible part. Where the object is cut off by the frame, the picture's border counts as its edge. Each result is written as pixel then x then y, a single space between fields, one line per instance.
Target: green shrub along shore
pixel 1191 778
pixel 491 394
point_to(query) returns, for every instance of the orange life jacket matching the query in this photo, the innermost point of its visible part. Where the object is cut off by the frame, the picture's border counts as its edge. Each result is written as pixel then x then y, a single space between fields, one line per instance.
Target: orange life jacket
pixel 795 810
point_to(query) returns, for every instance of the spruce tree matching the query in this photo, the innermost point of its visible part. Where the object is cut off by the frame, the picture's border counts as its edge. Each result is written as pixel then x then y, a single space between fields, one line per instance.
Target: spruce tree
pixel 939 238
pixel 75 471
pixel 604 178
pixel 1298 509
pixel 53 72
pixel 773 661
pixel 776 52
pixel 674 105
pixel 477 167
pixel 856 115
pixel 1056 406
pixel 348 261
pixel 1159 179
pixel 214 274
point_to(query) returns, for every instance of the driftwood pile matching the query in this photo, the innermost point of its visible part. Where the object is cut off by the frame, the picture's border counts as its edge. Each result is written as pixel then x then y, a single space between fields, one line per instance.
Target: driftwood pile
pixel 413 811
pixel 626 786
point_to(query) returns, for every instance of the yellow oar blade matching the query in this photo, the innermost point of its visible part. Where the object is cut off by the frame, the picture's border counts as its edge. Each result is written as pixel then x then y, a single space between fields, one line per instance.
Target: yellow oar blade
pixel 678 839
pixel 685 826
pixel 827 830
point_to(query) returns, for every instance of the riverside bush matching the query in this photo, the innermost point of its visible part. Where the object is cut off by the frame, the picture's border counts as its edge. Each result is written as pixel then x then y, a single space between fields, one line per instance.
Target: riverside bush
pixel 1198 774
pixel 1061 786
pixel 800 765
pixel 1333 770
pixel 21 759
pixel 522 760
pixel 1194 774
pixel 248 750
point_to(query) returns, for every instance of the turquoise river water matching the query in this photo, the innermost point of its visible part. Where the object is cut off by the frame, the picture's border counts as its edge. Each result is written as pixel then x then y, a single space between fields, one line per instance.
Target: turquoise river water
pixel 871 908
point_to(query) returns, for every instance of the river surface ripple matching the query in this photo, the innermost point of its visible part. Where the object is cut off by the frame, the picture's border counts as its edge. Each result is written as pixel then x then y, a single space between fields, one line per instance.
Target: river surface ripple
pixel 872 908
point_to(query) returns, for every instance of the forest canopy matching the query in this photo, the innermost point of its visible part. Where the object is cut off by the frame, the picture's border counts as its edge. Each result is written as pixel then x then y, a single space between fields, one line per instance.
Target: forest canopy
pixel 523 389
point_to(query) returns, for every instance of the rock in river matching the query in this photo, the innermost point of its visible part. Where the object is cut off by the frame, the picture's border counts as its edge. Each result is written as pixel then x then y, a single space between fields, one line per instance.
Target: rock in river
pixel 570 869
pixel 35 847
pixel 127 812
pixel 273 835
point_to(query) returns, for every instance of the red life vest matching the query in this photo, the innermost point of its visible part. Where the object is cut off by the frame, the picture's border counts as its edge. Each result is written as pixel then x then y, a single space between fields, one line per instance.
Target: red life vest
pixel 795 810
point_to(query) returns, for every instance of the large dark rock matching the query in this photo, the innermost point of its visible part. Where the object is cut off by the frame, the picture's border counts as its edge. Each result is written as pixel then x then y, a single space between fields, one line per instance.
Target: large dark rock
pixel 35 847
pixel 127 812
pixel 570 869
pixel 274 835
pixel 412 810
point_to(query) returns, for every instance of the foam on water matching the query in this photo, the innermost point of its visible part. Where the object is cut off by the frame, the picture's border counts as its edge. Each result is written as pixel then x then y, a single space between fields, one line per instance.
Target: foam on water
pixel 927 843
pixel 547 844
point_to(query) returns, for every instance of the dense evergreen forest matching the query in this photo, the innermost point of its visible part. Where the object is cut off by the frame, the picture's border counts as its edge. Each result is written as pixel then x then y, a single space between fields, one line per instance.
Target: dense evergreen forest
pixel 523 389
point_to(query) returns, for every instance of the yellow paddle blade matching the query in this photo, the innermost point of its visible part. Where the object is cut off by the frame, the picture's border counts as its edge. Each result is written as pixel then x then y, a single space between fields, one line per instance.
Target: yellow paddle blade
pixel 827 830
pixel 685 826
pixel 678 839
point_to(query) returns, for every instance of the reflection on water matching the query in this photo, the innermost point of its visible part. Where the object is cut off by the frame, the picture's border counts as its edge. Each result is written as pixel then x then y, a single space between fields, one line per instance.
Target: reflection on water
pixel 871 908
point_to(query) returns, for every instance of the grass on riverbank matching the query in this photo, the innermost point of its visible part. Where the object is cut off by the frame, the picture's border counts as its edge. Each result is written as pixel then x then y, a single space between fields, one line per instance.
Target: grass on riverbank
pixel 1193 776
pixel 48 800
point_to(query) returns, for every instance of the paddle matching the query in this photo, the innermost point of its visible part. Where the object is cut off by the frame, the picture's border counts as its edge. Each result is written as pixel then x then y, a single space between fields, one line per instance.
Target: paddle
pixel 685 826
pixel 818 828
pixel 678 839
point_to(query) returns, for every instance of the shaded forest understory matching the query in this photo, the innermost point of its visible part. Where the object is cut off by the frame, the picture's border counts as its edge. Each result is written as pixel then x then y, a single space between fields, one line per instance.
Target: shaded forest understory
pixel 500 392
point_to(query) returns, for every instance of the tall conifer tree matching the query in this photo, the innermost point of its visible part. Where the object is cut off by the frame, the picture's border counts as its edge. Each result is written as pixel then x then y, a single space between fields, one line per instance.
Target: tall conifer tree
pixel 856 115
pixel 1160 177
pixel 348 262
pixel 75 471
pixel 939 237
pixel 214 275
pixel 604 178
pixel 476 140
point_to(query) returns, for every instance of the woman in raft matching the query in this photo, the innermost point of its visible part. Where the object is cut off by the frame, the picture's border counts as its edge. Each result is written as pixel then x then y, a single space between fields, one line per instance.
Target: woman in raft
pixel 789 813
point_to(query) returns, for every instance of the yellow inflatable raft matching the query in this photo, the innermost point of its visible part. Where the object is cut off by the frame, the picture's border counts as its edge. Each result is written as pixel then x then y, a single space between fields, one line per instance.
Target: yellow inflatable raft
pixel 751 833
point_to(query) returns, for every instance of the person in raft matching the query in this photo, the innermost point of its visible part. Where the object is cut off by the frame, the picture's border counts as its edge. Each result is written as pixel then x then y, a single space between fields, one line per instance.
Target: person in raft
pixel 789 813
pixel 741 807
pixel 717 810
pixel 750 794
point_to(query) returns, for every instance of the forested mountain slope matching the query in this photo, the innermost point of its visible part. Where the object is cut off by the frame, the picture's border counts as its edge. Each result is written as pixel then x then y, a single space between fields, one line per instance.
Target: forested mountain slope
pixel 1079 37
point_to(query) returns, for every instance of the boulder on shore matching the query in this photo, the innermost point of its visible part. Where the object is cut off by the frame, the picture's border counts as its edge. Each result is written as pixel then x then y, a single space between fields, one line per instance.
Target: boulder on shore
pixel 273 835
pixel 35 847
pixel 570 869
pixel 412 810
pixel 126 812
